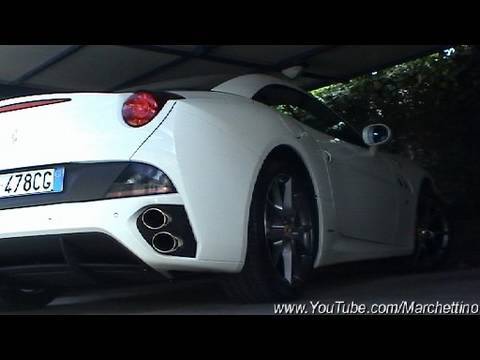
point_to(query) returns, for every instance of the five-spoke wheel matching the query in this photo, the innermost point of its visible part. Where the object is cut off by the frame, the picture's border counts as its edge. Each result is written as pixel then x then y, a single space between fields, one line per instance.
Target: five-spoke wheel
pixel 432 233
pixel 288 227
pixel 282 235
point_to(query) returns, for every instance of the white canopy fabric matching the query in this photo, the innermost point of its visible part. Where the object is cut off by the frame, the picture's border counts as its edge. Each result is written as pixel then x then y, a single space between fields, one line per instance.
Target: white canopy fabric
pixel 47 68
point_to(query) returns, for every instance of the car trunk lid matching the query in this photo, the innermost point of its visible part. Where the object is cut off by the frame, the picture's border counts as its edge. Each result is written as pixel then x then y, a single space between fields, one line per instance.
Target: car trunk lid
pixel 61 128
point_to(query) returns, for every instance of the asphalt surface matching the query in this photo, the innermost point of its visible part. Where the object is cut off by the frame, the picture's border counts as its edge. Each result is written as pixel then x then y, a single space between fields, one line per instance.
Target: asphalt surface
pixel 363 283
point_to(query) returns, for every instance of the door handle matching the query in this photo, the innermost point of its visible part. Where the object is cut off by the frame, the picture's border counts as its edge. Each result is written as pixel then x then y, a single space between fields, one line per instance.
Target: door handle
pixel 328 156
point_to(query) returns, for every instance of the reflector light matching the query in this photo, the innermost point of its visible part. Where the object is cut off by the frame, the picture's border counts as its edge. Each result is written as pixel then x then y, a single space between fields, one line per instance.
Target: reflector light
pixel 30 104
pixel 140 179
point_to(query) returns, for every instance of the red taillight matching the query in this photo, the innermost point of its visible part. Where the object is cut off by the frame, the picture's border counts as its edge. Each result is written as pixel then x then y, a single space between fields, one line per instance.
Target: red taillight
pixel 140 109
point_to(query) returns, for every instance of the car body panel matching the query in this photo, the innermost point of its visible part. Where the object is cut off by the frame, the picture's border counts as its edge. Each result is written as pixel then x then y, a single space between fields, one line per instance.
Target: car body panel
pixel 212 146
pixel 89 127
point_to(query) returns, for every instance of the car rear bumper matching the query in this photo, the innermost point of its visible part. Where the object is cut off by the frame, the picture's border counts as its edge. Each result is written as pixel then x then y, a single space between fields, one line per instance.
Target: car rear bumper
pixel 83 259
pixel 51 226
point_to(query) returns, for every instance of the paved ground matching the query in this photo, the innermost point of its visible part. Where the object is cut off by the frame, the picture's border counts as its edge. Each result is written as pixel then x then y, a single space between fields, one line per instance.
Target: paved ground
pixel 370 283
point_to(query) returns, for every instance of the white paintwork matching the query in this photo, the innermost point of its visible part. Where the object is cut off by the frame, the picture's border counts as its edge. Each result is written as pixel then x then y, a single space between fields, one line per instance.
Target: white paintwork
pixel 248 85
pixel 212 146
pixel 87 128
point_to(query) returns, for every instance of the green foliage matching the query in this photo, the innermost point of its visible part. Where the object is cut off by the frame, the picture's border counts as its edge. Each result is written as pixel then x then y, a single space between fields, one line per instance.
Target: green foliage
pixel 432 105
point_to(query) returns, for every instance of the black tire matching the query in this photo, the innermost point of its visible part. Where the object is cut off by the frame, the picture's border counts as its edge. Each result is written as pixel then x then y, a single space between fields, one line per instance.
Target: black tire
pixel 261 279
pixel 17 298
pixel 434 246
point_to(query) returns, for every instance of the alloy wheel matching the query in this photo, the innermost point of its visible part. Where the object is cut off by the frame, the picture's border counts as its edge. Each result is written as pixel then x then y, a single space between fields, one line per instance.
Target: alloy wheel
pixel 432 232
pixel 288 228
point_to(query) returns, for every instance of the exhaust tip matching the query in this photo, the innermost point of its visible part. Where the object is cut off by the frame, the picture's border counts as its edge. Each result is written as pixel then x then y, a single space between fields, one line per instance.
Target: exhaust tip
pixel 166 243
pixel 155 219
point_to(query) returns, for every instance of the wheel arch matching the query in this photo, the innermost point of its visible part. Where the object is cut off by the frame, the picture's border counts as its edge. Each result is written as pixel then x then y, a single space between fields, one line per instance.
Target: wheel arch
pixel 290 153
pixel 428 184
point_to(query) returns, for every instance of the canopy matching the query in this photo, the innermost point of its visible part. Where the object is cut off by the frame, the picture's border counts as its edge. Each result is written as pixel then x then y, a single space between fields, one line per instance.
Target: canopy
pixel 47 68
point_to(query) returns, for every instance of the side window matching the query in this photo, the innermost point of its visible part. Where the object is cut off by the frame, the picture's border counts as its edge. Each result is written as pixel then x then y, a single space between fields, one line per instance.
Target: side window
pixel 309 111
pixel 298 113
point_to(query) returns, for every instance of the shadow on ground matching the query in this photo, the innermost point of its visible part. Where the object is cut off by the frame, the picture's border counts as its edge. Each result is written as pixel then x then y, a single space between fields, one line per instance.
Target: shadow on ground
pixel 366 282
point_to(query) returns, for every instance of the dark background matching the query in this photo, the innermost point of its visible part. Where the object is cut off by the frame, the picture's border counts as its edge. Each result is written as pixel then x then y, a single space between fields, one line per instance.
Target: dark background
pixel 432 105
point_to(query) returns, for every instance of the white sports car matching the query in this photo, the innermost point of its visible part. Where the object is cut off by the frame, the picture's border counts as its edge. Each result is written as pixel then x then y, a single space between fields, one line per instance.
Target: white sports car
pixel 255 179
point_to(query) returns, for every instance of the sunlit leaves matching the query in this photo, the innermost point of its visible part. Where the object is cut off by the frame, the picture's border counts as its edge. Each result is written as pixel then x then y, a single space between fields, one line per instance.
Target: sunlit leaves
pixel 423 101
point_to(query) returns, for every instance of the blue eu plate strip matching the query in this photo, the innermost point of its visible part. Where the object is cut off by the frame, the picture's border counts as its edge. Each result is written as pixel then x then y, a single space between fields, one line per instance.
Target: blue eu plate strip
pixel 58 179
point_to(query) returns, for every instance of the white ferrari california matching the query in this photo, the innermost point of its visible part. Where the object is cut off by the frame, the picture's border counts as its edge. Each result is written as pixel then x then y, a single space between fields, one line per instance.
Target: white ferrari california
pixel 254 179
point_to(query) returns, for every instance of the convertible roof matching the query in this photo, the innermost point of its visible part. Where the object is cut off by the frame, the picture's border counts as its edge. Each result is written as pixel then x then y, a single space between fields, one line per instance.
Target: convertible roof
pixel 41 68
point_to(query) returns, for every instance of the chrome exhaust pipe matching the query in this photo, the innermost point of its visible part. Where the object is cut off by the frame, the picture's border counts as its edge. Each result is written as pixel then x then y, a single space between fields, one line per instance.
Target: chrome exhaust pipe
pixel 166 243
pixel 155 219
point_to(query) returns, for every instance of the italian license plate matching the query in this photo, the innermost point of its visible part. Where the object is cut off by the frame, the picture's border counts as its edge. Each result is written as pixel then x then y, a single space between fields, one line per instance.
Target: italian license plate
pixel 32 182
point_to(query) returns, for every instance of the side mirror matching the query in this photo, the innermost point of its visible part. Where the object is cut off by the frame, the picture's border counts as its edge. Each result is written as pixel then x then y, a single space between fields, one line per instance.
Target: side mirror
pixel 376 134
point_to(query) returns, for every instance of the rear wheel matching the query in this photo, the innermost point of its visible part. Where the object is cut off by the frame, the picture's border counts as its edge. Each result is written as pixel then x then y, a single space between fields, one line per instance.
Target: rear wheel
pixel 433 241
pixel 282 236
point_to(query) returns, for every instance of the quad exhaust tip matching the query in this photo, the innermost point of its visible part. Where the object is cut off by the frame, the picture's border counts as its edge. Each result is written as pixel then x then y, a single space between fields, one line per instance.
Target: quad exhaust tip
pixel 162 242
pixel 166 243
pixel 155 219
